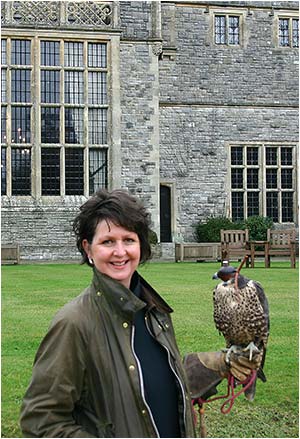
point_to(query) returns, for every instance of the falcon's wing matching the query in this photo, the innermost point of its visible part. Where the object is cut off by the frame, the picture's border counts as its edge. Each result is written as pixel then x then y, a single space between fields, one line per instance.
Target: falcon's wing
pixel 263 300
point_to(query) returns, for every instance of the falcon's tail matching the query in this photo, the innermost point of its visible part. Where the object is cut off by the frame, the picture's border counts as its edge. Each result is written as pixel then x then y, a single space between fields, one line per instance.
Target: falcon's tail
pixel 261 375
pixel 250 392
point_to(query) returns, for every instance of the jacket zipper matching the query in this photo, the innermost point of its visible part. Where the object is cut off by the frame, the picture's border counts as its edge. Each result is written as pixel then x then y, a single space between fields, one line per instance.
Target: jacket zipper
pixel 172 369
pixel 142 381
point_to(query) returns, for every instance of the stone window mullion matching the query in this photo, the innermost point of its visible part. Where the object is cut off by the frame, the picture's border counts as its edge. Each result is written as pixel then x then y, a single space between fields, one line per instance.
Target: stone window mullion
pixel 36 93
pixel 86 119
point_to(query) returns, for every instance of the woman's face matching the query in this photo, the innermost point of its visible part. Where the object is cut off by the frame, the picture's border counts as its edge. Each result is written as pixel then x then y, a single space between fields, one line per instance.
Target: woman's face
pixel 115 251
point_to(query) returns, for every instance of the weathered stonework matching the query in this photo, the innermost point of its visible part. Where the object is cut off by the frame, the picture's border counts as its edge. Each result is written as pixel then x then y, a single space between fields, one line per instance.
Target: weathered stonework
pixel 177 102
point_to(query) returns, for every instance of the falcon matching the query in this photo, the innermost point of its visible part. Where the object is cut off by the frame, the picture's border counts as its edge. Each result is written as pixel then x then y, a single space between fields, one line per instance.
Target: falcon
pixel 241 314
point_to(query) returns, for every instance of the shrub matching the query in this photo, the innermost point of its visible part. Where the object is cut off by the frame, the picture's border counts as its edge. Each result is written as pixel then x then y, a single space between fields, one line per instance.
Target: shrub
pixel 209 231
pixel 258 226
pixel 153 238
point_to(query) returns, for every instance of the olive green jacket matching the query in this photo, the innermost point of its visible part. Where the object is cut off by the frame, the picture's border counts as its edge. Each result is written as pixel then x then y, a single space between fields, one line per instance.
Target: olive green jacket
pixel 86 379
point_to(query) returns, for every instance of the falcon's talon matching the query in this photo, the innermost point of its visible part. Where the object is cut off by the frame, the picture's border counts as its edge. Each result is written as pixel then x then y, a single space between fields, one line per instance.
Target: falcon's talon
pixel 233 349
pixel 252 348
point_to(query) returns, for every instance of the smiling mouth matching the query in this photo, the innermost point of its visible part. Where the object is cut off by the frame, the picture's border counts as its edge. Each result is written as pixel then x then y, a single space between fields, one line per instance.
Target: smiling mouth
pixel 119 264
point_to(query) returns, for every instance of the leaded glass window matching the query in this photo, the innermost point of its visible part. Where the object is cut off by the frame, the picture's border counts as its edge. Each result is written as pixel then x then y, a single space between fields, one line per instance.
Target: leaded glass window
pixel 271 178
pixel 97 88
pixel 20 85
pixel 74 87
pixel 70 115
pixel 237 178
pixel 74 125
pixel 50 53
pixel 220 29
pixel 3 171
pixel 97 169
pixel 3 52
pixel 271 156
pixel 233 30
pixel 272 205
pixel 252 178
pixel 20 118
pixel 74 171
pixel 295 32
pixel 237 155
pixel 227 29
pixel 21 171
pixel 3 89
pixel 17 103
pixel 3 86
pixel 286 156
pixel 287 178
pixel 21 52
pixel 97 56
pixel 252 155
pixel 287 206
pixel 263 182
pixel 3 125
pixel 50 163
pixel 73 55
pixel 20 88
pixel 50 125
pixel 50 86
pixel 252 203
pixel 288 32
pixel 97 126
pixel 237 203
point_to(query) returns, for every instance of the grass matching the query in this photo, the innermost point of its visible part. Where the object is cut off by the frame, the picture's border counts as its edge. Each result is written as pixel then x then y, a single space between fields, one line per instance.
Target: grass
pixel 31 294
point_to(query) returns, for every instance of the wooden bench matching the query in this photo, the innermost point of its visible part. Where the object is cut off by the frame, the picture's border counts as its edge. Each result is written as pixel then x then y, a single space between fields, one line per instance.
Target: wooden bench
pixel 281 243
pixel 259 248
pixel 235 245
pixel 197 251
pixel 10 254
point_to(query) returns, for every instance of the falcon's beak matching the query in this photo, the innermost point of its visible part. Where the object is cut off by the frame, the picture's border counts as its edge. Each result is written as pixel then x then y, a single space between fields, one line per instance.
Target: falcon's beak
pixel 215 276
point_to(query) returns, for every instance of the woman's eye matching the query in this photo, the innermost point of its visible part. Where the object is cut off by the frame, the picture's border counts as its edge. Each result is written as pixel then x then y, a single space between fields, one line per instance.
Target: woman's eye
pixel 107 242
pixel 129 240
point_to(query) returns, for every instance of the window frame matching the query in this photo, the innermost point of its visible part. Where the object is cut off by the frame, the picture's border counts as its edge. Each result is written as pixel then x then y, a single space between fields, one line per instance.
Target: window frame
pixel 288 16
pixel 228 13
pixel 112 145
pixel 262 167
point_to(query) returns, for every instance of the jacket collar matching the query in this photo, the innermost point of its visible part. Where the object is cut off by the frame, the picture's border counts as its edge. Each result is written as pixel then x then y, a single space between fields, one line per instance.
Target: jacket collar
pixel 123 299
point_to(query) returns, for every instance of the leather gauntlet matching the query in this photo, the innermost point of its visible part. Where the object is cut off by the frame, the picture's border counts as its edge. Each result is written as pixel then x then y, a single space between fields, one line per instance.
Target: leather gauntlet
pixel 238 365
pixel 205 370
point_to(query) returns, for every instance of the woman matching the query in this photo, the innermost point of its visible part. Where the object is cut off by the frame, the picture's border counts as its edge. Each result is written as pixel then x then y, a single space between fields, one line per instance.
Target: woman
pixel 109 365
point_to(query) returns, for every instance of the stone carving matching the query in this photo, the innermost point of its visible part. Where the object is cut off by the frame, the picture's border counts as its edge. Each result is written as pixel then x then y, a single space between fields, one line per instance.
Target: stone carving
pixel 35 12
pixel 88 13
pixel 57 13
pixel 157 49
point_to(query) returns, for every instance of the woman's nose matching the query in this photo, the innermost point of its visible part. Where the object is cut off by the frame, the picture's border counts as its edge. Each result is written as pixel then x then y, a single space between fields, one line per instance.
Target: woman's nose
pixel 119 249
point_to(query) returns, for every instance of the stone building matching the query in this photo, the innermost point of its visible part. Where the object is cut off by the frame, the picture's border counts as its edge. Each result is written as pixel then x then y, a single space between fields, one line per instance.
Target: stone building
pixel 192 106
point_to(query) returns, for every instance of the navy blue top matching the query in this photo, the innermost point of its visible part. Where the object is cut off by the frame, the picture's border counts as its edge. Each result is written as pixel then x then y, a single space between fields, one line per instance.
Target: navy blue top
pixel 160 384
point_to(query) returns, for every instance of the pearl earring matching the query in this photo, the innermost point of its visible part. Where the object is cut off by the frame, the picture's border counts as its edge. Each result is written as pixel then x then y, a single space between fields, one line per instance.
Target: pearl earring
pixel 91 261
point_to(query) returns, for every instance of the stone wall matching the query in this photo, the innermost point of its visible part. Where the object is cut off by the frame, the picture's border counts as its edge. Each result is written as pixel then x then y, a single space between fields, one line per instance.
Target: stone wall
pixel 196 162
pixel 139 123
pixel 179 109
pixel 257 73
pixel 43 229
pixel 211 96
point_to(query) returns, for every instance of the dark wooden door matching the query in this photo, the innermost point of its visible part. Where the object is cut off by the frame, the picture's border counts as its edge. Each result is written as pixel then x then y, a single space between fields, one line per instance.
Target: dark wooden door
pixel 165 214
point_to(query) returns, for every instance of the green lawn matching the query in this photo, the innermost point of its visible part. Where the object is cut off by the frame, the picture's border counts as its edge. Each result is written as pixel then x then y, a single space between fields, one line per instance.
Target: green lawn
pixel 31 294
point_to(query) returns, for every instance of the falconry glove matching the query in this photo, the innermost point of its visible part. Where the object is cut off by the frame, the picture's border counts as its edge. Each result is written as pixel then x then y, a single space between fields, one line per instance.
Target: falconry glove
pixel 205 370
pixel 240 366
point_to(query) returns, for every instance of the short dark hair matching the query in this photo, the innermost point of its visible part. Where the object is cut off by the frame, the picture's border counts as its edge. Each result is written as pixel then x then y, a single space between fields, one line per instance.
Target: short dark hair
pixel 119 207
